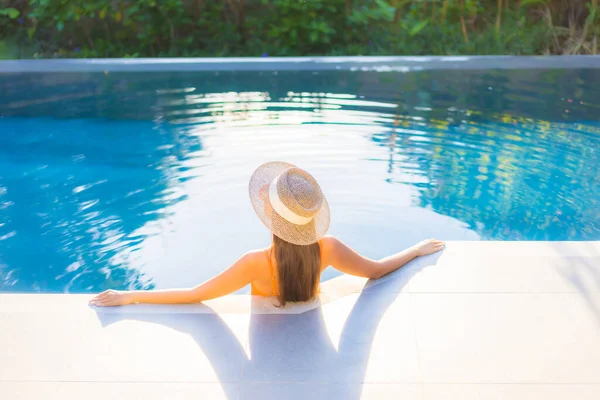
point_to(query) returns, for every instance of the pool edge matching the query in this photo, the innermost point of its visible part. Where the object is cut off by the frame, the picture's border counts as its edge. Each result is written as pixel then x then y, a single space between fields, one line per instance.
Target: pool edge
pixel 354 63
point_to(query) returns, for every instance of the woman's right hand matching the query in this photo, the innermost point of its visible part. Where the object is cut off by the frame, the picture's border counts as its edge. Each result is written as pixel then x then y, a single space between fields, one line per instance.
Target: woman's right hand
pixel 429 246
pixel 110 298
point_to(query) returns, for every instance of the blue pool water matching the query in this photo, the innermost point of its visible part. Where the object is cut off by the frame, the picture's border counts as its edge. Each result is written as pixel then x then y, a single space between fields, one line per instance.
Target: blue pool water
pixel 128 180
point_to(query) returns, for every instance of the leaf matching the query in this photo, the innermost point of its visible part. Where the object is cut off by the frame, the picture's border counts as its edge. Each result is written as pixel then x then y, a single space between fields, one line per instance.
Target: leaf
pixel 10 12
pixel 13 13
pixel 531 2
pixel 132 10
pixel 30 32
pixel 60 26
pixel 387 11
pixel 102 13
pixel 418 27
pixel 118 16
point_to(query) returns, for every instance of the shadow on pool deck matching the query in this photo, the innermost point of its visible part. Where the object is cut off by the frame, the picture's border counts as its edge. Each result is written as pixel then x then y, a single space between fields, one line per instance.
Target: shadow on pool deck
pixel 582 273
pixel 290 348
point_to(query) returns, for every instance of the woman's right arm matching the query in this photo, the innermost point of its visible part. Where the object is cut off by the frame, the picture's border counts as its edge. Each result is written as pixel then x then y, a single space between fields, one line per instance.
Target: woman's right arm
pixel 241 273
pixel 345 259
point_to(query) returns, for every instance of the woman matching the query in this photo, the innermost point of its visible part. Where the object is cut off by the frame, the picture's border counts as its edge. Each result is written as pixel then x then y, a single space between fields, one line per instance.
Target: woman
pixel 289 201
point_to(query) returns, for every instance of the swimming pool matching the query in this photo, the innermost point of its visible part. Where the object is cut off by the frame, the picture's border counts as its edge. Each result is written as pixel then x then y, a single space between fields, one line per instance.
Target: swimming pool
pixel 138 179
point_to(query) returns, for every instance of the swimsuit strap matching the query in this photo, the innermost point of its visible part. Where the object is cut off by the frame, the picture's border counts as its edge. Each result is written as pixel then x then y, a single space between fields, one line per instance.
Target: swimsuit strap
pixel 273 282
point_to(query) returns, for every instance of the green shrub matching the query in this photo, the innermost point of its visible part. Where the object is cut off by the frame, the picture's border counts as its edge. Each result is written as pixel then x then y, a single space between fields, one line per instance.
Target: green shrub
pixel 149 28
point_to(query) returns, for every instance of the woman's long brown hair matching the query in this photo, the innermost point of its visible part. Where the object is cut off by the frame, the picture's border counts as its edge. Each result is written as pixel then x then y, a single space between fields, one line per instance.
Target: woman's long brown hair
pixel 298 270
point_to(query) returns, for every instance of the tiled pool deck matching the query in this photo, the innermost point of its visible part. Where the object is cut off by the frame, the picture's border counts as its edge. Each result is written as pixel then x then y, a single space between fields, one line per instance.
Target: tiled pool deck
pixel 482 320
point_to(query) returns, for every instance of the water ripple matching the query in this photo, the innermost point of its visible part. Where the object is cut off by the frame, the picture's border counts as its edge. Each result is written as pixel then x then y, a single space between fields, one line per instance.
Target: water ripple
pixel 142 181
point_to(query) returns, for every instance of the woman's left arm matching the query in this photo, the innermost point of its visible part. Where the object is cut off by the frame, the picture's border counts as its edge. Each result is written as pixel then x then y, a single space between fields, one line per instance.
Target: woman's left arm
pixel 241 273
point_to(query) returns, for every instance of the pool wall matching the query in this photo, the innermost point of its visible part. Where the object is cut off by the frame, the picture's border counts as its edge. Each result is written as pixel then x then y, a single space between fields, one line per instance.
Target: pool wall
pixel 383 64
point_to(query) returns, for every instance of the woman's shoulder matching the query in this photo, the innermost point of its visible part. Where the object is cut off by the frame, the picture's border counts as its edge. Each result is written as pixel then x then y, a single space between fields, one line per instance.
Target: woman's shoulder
pixel 330 241
pixel 254 262
pixel 329 245
pixel 255 256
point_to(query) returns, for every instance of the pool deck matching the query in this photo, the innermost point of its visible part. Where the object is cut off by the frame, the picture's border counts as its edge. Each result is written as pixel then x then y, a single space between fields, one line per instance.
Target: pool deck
pixel 482 320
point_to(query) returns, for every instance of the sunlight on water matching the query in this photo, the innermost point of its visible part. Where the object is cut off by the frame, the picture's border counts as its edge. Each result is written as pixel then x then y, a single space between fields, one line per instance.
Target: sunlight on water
pixel 141 181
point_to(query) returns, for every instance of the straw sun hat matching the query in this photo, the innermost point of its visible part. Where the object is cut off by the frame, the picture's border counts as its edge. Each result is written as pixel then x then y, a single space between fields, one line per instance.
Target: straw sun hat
pixel 289 201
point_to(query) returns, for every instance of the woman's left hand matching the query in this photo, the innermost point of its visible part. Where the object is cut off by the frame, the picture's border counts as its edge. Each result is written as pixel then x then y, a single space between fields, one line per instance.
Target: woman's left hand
pixel 110 298
pixel 429 246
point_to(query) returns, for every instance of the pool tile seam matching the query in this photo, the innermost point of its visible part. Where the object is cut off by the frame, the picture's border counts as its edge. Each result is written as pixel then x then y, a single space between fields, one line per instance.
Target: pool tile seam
pixel 416 339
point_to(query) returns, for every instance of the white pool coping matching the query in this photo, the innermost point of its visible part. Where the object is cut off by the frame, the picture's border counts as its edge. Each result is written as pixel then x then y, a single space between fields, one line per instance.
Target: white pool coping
pixel 326 63
pixel 482 320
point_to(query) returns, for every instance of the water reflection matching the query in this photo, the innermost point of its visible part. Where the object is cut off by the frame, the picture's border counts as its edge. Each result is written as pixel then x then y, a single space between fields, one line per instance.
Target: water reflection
pixel 77 198
pixel 139 180
pixel 508 180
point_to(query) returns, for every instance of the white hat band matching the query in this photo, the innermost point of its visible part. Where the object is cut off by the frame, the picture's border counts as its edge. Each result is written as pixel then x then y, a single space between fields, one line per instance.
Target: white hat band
pixel 282 209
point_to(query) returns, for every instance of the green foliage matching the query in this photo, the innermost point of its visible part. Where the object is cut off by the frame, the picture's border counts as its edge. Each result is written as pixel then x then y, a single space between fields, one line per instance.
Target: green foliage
pixel 531 2
pixel 188 28
pixel 292 27
pixel 11 13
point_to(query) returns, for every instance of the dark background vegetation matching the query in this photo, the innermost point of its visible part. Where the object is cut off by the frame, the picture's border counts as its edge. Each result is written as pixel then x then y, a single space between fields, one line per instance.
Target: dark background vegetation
pixel 190 28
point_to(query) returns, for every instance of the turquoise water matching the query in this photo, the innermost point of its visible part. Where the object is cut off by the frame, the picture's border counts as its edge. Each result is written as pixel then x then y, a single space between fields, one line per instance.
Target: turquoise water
pixel 140 180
